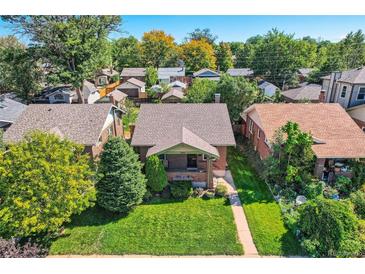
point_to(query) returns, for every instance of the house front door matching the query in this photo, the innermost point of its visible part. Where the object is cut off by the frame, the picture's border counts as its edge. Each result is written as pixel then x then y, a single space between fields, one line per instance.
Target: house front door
pixel 192 161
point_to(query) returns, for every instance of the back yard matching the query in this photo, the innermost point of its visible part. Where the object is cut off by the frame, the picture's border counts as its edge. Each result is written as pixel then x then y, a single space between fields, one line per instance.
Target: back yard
pixel 191 227
pixel 262 212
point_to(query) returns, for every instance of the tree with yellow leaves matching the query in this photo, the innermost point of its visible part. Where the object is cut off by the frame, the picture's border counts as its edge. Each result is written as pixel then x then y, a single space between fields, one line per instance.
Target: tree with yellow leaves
pixel 198 54
pixel 158 49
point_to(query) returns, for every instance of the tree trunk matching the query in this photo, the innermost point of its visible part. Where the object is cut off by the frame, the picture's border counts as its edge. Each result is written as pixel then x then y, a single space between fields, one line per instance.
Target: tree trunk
pixel 80 97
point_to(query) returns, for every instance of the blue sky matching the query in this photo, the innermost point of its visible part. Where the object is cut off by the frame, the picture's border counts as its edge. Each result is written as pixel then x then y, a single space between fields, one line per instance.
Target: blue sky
pixel 238 28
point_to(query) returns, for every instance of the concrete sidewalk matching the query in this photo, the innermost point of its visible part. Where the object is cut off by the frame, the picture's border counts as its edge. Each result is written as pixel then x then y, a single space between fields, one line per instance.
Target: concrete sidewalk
pixel 243 230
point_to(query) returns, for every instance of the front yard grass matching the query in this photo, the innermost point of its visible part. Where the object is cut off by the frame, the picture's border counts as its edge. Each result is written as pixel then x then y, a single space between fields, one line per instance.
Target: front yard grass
pixel 162 227
pixel 263 214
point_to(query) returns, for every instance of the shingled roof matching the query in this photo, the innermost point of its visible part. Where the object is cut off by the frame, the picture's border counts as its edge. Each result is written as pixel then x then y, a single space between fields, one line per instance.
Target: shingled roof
pixel 160 124
pixel 240 72
pixel 133 72
pixel 339 135
pixel 173 93
pixel 308 92
pixel 10 109
pixel 81 123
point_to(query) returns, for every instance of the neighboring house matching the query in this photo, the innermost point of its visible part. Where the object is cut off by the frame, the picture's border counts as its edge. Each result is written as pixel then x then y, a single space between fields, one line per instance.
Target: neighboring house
pixel 309 93
pixel 346 88
pixel 190 139
pixel 207 74
pixel 168 75
pixel 134 88
pixel 173 96
pixel 116 97
pixel 10 110
pixel 336 136
pixel 137 73
pixel 178 85
pixel 267 88
pixel 63 94
pixel 105 76
pixel 89 125
pixel 243 72
pixel 303 74
pixel 358 114
pixel 90 92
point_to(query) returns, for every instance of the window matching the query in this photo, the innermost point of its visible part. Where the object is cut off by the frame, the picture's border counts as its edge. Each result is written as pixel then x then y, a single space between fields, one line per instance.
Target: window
pixel 204 157
pixel 343 93
pixel 363 129
pixel 192 161
pixel 102 81
pixel 250 126
pixel 361 95
pixel 258 133
pixel 58 96
pixel 267 142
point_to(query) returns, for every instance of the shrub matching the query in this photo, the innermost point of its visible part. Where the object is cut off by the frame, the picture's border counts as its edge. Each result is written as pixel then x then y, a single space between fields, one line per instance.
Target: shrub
pixel 115 78
pixel 313 189
pixel 209 194
pixel 198 192
pixel 362 236
pixel 147 196
pixel 329 229
pixel 181 189
pixel 121 185
pixel 44 180
pixel 155 174
pixel 221 190
pixel 358 200
pixel 11 249
pixel 343 185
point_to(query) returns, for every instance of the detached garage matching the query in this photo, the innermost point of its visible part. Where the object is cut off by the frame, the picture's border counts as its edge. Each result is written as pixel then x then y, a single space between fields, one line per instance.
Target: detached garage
pixel 134 88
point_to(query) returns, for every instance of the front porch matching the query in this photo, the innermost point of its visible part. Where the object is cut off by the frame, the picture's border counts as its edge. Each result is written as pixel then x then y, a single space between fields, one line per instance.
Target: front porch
pixel 328 169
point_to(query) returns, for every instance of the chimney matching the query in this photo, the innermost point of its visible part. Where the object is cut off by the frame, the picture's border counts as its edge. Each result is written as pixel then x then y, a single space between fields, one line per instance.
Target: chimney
pixel 217 98
pixel 322 96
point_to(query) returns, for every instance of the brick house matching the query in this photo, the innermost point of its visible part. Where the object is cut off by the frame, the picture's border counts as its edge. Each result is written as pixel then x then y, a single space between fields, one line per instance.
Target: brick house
pixel 89 125
pixel 190 139
pixel 336 136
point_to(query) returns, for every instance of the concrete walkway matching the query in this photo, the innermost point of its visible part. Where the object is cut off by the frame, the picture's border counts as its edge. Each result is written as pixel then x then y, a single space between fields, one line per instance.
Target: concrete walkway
pixel 244 234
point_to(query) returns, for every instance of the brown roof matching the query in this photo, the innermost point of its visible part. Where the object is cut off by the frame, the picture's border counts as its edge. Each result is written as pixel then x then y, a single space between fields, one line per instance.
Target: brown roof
pixel 310 92
pixel 173 92
pixel 133 72
pixel 353 76
pixel 328 123
pixel 187 138
pixel 132 81
pixel 117 95
pixel 81 123
pixel 159 122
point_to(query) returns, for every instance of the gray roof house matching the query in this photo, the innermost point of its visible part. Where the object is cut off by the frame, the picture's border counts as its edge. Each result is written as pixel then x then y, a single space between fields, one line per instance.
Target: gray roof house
pixel 166 75
pixel 10 110
pixel 86 124
pixel 309 92
pixel 345 87
pixel 207 74
pixel 244 72
pixel 191 139
pixel 134 88
pixel 137 73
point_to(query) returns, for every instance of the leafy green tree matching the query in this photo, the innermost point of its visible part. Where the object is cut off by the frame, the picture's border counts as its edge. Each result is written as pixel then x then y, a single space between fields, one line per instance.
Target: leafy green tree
pixel 277 57
pixel 156 174
pixel 24 74
pixel 198 54
pixel 353 49
pixel 121 185
pixel 235 47
pixel 329 228
pixel 2 145
pixel 158 49
pixel 357 198
pixel 44 180
pixel 151 76
pixel 244 56
pixel 292 161
pixel 126 53
pixel 202 34
pixel 75 46
pixel 201 91
pixel 224 56
pixel 238 93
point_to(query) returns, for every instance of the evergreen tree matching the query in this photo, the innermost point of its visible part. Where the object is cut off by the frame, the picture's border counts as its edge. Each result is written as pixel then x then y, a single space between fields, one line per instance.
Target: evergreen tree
pixel 121 185
pixel 156 174
pixel 224 57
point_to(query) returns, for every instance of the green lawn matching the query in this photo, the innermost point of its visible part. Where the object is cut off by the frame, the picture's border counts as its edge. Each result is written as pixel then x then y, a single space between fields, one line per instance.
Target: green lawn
pixel 191 227
pixel 262 212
